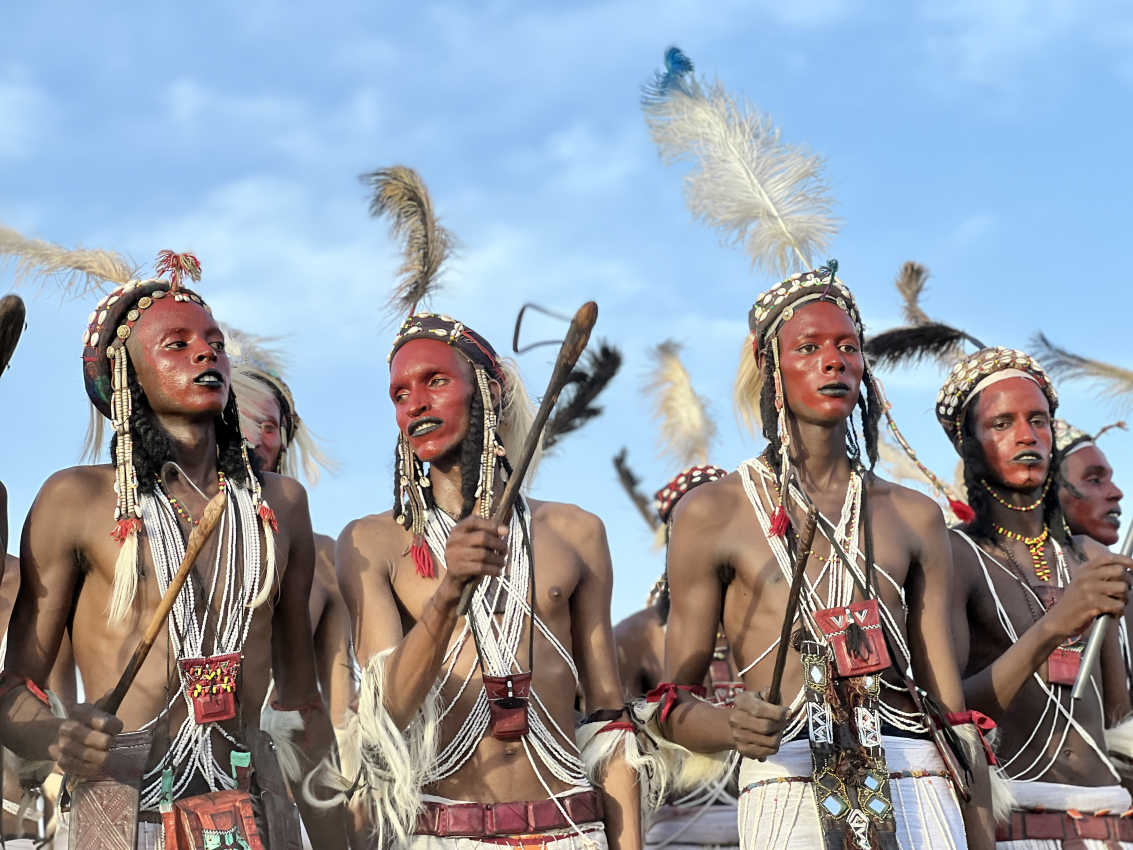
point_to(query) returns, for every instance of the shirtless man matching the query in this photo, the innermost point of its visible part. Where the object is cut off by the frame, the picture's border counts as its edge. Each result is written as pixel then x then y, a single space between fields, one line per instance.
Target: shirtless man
pixel 1024 592
pixel 1087 493
pixel 730 558
pixel 170 369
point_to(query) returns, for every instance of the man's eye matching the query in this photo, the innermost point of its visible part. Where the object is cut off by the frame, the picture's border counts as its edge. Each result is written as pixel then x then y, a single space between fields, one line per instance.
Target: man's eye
pixel 176 344
pixel 850 349
pixel 436 382
pixel 218 346
pixel 807 348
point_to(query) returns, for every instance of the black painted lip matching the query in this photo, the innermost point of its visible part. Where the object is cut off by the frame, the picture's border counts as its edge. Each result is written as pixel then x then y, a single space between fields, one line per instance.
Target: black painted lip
pixel 1028 457
pixel 836 389
pixel 424 425
pixel 213 373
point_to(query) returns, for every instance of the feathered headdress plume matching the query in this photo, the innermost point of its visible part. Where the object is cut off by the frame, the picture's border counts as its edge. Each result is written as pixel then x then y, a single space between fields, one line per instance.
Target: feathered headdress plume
pixel 921 339
pixel 632 485
pixel 757 190
pixel 76 270
pixel 587 381
pixel 1112 382
pixel 177 266
pixel 12 315
pixel 400 194
pixel 686 428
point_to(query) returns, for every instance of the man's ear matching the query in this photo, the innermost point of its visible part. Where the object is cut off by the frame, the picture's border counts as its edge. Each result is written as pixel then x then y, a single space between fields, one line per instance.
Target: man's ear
pixel 497 394
pixel 760 357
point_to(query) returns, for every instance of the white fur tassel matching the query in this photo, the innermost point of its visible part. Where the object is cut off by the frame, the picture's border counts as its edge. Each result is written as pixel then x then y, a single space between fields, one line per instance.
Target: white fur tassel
pixel 268 584
pixel 125 580
pixel 1119 739
pixel 599 748
pixel 282 726
pixel 389 763
pixel 676 769
pixel 1002 797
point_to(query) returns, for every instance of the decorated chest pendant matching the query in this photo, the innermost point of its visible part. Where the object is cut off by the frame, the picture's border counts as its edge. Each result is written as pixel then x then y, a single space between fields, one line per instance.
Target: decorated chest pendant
pixel 508 698
pixel 211 686
pixel 853 633
pixel 1063 664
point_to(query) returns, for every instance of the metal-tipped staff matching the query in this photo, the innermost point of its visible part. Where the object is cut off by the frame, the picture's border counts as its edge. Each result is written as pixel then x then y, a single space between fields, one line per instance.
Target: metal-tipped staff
pixel 1097 636
pixel 801 557
pixel 577 336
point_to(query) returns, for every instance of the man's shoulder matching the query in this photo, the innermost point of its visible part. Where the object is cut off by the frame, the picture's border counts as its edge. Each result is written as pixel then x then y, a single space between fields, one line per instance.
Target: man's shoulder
pixel 638 625
pixel 566 518
pixel 78 483
pixel 282 491
pixel 373 530
pixel 714 502
pixel 916 507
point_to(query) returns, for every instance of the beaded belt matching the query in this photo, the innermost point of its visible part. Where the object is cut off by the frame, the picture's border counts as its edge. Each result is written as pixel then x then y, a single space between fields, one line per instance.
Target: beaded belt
pixel 1067 826
pixel 480 820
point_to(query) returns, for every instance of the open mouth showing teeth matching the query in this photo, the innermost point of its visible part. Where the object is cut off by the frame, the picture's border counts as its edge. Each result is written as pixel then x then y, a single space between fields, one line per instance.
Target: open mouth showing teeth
pixel 424 426
pixel 210 377
pixel 1029 458
pixel 1114 516
pixel 837 390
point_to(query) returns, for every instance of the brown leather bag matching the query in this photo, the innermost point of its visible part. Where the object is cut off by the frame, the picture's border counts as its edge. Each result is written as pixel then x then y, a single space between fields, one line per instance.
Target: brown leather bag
pixel 217 821
pixel 104 809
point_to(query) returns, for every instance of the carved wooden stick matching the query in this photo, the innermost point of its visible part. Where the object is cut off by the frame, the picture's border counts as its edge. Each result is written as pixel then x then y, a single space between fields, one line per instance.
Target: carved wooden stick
pixel 801 557
pixel 577 336
pixel 197 539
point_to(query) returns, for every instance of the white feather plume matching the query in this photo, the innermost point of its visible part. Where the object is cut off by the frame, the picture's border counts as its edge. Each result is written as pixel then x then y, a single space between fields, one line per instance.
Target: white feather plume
pixel 76 270
pixel 760 192
pixel 687 428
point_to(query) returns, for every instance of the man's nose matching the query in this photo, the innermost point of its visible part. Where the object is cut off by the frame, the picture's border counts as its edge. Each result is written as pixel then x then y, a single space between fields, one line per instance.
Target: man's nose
pixel 205 354
pixel 834 362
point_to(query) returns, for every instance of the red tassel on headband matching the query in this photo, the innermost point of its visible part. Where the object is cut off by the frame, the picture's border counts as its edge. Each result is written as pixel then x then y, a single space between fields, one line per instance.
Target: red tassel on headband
pixel 779 522
pixel 422 557
pixel 177 266
pixel 268 516
pixel 123 527
pixel 963 513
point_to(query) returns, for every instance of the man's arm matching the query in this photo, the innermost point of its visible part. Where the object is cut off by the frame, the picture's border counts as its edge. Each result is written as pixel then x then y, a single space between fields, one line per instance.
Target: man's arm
pixel 754 726
pixel 476 548
pixel 293 663
pixel 595 656
pixel 332 640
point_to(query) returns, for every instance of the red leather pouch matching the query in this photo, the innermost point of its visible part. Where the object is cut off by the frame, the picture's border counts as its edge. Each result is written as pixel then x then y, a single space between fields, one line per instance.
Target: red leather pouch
pixel 507 702
pixel 212 686
pixel 1063 664
pixel 871 655
pixel 219 820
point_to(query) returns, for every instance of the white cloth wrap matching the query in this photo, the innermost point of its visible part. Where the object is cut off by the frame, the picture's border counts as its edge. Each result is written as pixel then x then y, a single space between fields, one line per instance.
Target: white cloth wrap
pixel 674 828
pixel 784 815
pixel 1055 797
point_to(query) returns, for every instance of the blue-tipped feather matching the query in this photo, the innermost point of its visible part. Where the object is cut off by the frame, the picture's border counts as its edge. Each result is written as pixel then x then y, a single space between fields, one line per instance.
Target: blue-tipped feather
pixel 677 67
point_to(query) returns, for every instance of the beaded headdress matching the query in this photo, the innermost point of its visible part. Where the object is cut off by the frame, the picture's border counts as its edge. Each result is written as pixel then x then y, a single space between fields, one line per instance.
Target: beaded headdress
pixel 400 195
pixel 667 497
pixel 1068 439
pixel 257 380
pixel 977 371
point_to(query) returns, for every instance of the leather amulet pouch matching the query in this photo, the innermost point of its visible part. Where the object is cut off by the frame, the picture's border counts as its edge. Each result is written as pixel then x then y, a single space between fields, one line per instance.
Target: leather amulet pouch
pixel 1063 664
pixel 217 821
pixel 104 808
pixel 507 701
pixel 854 635
pixel 211 686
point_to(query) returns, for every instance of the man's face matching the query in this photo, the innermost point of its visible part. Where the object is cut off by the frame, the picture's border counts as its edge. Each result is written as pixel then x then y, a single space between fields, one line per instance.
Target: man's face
pixel 178 354
pixel 1096 511
pixel 267 435
pixel 1013 428
pixel 431 387
pixel 821 362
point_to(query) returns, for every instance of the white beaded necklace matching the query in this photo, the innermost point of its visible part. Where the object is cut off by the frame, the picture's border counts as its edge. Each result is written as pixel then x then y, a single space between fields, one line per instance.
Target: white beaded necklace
pixel 190 749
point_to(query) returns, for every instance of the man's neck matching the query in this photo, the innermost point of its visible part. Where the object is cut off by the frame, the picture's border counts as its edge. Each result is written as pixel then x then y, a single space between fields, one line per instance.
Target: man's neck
pixel 445 481
pixel 194 449
pixel 1026 523
pixel 818 454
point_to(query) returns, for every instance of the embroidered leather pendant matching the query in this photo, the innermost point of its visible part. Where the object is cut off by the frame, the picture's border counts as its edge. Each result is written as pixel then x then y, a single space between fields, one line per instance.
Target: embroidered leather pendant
pixel 855 638
pixel 507 701
pixel 1063 664
pixel 222 820
pixel 211 686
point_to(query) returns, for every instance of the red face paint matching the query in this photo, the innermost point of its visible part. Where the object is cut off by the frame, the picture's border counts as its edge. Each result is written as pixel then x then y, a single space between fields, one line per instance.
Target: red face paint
pixel 1013 427
pixel 178 353
pixel 430 385
pixel 1096 510
pixel 264 432
pixel 821 362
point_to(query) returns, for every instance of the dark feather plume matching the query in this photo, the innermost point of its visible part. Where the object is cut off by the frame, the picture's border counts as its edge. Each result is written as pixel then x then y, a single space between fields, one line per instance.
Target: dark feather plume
pixel 585 385
pixel 910 283
pixel 400 194
pixel 914 344
pixel 1112 382
pixel 12 315
pixel 631 483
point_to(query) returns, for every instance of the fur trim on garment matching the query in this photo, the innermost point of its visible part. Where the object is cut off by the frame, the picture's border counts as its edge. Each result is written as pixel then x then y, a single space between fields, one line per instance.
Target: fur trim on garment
pixel 1119 743
pixel 391 763
pixel 283 726
pixel 597 749
pixel 1002 797
pixel 676 769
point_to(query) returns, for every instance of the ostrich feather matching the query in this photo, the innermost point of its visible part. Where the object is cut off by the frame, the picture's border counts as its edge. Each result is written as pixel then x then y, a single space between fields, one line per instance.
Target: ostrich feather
pixel 910 283
pixel 631 484
pixel 911 345
pixel 12 316
pixel 586 384
pixel 78 271
pixel 759 192
pixel 1112 383
pixel 400 194
pixel 687 428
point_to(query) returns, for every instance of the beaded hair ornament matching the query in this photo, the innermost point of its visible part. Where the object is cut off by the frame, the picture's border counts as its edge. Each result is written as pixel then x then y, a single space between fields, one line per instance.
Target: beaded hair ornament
pixel 1068 439
pixel 105 374
pixel 771 311
pixel 667 497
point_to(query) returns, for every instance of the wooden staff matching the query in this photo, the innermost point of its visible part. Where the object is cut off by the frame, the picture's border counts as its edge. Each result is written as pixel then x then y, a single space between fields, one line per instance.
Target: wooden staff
pixel 801 557
pixel 577 336
pixel 197 540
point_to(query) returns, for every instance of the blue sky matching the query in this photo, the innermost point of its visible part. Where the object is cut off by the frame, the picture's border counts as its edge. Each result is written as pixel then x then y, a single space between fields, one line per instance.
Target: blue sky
pixel 981 138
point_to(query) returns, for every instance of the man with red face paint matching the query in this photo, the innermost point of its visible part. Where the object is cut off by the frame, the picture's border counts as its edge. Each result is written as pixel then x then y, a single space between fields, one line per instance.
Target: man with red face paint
pixel 1090 500
pixel 466 725
pixel 154 363
pixel 1025 594
pixel 849 760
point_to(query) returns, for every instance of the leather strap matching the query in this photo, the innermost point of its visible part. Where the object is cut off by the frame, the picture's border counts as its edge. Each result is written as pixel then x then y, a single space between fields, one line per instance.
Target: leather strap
pixel 1065 826
pixel 480 820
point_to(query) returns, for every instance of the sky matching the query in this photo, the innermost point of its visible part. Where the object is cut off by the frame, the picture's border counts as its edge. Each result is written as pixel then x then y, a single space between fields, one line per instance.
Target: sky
pixel 980 138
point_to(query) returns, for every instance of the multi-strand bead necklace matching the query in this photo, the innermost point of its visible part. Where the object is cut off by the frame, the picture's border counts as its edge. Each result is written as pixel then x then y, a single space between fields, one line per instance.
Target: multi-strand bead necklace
pixel 1035 545
pixel 181 510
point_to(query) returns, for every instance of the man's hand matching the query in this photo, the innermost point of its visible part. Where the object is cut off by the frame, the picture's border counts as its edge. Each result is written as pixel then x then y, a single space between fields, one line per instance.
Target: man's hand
pixel 757 725
pixel 85 738
pixel 476 548
pixel 1099 586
